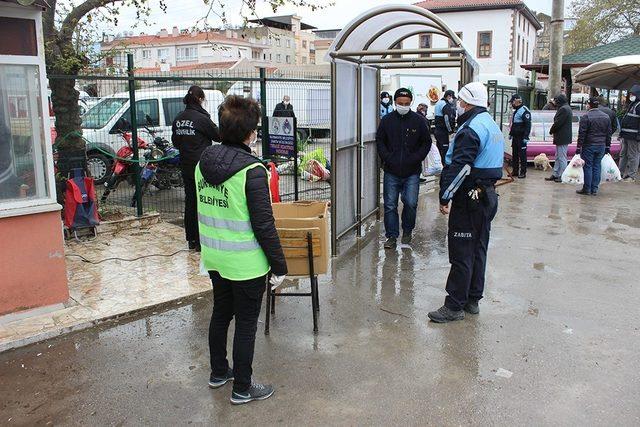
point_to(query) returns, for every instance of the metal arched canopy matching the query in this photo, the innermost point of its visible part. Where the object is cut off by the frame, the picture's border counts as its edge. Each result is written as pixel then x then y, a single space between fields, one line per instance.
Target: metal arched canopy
pixel 373 34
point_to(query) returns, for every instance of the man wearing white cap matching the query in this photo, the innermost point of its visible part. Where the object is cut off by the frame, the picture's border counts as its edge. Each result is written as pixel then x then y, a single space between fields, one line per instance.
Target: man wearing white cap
pixel 473 164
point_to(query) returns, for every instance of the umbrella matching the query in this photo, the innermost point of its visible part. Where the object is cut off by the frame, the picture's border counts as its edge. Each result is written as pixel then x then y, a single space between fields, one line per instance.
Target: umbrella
pixel 620 72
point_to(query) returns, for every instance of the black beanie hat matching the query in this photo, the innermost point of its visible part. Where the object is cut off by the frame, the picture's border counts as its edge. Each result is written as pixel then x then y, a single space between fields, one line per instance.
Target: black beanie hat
pixel 403 92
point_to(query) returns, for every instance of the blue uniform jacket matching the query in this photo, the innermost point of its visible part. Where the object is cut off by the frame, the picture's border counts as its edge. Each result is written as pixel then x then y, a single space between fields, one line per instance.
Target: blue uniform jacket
pixel 384 110
pixel 445 116
pixel 403 143
pixel 521 123
pixel 475 155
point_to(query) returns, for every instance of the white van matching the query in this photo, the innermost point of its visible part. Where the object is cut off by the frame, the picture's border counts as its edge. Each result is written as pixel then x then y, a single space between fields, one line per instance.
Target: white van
pixel 311 102
pixel 156 109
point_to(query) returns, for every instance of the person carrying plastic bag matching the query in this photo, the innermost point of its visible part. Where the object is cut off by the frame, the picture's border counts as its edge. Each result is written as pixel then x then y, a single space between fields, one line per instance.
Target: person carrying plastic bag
pixel 594 141
pixel 610 171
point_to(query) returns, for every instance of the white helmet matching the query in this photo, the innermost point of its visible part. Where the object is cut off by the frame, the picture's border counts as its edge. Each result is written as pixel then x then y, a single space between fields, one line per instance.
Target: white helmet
pixel 474 93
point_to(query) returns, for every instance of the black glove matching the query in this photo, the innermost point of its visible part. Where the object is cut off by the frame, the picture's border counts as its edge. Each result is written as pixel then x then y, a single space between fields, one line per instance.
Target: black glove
pixel 607 150
pixel 578 150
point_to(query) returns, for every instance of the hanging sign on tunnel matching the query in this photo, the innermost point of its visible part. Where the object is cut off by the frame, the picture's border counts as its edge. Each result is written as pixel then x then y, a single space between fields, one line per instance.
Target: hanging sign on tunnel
pixel 282 136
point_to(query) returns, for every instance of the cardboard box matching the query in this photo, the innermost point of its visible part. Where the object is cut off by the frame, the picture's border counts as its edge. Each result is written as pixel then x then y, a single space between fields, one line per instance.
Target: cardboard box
pixel 306 215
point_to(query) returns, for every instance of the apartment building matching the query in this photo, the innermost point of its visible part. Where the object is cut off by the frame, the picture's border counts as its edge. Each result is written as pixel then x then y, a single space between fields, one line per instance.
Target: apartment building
pixel 287 37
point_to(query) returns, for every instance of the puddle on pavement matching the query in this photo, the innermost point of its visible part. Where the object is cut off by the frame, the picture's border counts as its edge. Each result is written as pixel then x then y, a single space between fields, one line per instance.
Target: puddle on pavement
pixel 539 266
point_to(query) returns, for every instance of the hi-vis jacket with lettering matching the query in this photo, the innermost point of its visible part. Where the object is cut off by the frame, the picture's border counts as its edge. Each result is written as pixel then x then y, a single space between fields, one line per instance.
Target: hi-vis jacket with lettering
pixel 237 228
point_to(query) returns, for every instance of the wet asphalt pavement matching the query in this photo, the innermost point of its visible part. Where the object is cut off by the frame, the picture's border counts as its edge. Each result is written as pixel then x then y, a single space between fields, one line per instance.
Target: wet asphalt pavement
pixel 556 343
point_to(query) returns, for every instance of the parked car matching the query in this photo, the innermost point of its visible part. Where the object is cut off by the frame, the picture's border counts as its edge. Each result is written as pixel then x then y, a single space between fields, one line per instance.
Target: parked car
pixel 541 141
pixel 156 109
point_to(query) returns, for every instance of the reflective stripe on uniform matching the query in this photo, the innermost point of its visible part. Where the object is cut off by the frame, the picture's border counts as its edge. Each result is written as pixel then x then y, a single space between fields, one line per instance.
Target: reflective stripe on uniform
pixel 457 182
pixel 227 224
pixel 224 245
pixel 629 130
pixel 633 115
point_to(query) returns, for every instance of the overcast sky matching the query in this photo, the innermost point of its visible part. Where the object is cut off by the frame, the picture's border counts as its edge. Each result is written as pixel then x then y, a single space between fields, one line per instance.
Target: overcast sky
pixel 185 13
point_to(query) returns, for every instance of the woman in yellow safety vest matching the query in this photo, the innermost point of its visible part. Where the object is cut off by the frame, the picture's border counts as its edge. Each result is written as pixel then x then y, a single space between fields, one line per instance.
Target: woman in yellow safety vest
pixel 240 245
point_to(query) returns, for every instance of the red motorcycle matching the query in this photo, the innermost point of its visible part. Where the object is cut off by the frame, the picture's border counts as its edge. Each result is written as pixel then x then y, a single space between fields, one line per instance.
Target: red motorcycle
pixel 123 167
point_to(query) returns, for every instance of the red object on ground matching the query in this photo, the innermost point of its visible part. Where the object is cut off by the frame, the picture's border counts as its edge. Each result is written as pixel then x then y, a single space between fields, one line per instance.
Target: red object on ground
pixel 274 183
pixel 80 204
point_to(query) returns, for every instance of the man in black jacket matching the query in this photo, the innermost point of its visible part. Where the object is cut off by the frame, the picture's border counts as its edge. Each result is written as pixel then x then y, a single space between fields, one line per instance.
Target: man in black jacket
pixel 519 134
pixel 403 141
pixel 594 140
pixel 562 135
pixel 604 107
pixel 284 108
pixel 240 245
pixel 630 137
pixel 192 131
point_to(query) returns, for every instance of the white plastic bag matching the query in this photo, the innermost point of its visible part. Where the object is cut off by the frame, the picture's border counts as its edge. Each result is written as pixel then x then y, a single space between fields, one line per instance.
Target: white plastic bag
pixel 433 162
pixel 574 173
pixel 610 171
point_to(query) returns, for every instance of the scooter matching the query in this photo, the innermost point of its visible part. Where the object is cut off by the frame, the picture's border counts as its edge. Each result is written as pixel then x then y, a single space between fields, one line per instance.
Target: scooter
pixel 162 168
pixel 123 167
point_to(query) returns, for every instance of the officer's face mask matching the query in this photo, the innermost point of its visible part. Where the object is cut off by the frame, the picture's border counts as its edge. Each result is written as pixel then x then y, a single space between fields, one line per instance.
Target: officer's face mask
pixel 285 102
pixel 632 98
pixel 460 108
pixel 403 109
pixel 254 139
pixel 386 100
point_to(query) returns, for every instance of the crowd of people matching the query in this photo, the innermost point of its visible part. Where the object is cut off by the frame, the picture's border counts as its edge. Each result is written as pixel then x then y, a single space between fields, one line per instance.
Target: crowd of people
pixel 229 218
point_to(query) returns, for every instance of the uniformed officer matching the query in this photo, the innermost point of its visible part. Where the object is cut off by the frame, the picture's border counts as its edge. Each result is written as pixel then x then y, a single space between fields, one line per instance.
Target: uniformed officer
pixel 386 106
pixel 191 132
pixel 519 133
pixel 240 244
pixel 444 121
pixel 472 166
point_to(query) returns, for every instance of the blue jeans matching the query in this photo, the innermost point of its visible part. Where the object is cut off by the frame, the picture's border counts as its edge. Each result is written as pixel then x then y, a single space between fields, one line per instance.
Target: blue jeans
pixel 408 188
pixel 592 156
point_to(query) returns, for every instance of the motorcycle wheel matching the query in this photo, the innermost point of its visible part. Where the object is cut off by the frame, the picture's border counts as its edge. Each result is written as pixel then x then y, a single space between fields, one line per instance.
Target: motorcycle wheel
pixel 111 185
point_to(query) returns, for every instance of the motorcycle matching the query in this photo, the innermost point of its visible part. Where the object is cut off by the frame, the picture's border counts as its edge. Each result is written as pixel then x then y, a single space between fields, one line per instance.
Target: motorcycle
pixel 123 166
pixel 162 167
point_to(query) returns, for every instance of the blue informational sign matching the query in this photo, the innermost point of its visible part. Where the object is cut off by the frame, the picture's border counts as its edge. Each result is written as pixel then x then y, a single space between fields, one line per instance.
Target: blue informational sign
pixel 282 136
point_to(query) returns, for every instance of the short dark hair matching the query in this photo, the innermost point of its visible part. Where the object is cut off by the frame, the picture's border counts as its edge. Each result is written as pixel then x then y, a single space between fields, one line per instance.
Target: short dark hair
pixel 238 117
pixel 193 96
pixel 594 102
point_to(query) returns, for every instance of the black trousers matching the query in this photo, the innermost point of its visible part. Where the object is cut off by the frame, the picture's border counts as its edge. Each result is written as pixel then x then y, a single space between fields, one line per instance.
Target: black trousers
pixel 442 141
pixel 469 229
pixel 190 207
pixel 518 156
pixel 242 300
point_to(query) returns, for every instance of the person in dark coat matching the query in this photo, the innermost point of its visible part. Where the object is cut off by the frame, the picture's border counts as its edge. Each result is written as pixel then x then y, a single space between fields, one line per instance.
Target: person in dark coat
pixel 519 134
pixel 284 108
pixel 403 141
pixel 594 140
pixel 191 132
pixel 630 137
pixel 604 107
pixel 240 245
pixel 562 135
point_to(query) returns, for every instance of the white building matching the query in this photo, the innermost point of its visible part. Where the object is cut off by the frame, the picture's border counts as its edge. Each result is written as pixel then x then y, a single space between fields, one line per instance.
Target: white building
pixel 180 48
pixel 500 33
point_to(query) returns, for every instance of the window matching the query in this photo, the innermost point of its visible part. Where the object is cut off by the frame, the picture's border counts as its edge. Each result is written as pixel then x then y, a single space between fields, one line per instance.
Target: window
pixel 518 51
pixel 278 57
pixel 288 59
pixel 187 53
pixel 163 54
pixel 527 52
pixel 304 60
pixel 484 44
pixel 304 44
pixel 147 113
pixel 398 46
pixel 288 43
pixel 146 54
pixel 171 107
pixel 425 43
pixel 100 114
pixel 22 33
pixel 278 42
pixel 23 167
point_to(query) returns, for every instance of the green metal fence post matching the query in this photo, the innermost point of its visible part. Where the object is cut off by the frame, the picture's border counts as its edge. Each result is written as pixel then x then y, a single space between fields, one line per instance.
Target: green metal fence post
pixel 263 107
pixel 134 133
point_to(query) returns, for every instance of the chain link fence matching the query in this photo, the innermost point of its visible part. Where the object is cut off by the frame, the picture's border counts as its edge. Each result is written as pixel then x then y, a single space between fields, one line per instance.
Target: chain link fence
pixel 105 104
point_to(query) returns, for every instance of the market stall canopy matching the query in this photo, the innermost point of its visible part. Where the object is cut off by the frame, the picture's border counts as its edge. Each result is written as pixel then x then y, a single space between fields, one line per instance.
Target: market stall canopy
pixel 371 38
pixel 620 72
pixel 627 46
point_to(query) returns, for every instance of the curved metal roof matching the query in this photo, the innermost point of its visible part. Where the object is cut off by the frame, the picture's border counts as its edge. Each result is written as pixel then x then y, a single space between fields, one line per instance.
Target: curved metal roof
pixel 376 31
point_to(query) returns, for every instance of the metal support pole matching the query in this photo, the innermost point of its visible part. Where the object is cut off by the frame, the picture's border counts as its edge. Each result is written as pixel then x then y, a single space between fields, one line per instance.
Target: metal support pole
pixel 263 107
pixel 334 164
pixel 557 44
pixel 134 133
pixel 359 152
pixel 378 91
pixel 295 160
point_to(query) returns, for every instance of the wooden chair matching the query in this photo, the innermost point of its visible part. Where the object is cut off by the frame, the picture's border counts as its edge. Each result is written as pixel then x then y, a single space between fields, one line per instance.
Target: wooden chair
pixel 297 243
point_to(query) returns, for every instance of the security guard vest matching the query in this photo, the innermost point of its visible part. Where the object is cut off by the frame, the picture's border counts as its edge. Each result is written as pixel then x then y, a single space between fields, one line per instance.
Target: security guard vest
pixel 228 243
pixel 490 156
pixel 630 125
